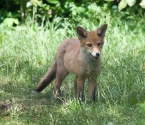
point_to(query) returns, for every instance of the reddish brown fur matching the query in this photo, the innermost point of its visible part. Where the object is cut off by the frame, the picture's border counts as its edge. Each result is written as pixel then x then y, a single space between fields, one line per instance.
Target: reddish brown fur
pixel 79 57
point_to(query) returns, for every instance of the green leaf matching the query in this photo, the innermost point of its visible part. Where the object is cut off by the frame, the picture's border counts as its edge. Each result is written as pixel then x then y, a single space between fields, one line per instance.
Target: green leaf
pixel 16 21
pixel 34 3
pixel 122 5
pixel 131 2
pixel 142 4
pixel 10 21
pixel 53 1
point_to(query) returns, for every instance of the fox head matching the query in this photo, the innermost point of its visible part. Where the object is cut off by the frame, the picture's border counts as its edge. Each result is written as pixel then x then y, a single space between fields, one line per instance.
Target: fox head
pixel 92 41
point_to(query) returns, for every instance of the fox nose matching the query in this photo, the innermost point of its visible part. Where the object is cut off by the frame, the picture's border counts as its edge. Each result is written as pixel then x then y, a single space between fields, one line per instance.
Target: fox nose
pixel 97 54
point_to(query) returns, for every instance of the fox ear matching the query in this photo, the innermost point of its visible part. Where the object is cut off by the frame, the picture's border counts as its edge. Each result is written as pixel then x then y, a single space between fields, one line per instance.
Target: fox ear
pixel 81 32
pixel 102 30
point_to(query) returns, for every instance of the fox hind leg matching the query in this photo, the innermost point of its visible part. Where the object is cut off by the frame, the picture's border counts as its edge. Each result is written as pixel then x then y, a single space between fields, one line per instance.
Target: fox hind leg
pixel 60 76
pixel 75 86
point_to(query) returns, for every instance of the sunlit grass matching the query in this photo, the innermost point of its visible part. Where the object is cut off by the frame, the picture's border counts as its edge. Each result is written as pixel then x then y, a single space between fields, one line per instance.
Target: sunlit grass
pixel 27 52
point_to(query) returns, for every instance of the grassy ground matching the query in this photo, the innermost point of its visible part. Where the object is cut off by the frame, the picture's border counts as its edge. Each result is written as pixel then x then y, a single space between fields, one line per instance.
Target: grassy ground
pixel 25 55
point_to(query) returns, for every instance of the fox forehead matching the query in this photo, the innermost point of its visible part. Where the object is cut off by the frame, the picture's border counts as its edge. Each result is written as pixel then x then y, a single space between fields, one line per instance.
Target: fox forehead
pixel 93 38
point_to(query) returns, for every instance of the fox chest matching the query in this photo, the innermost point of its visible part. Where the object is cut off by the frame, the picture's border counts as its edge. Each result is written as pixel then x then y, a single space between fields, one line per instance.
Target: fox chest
pixel 91 68
pixel 81 66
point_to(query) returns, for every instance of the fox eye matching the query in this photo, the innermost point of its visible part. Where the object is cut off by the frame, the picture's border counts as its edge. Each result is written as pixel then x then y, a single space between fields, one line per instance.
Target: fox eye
pixel 89 45
pixel 99 44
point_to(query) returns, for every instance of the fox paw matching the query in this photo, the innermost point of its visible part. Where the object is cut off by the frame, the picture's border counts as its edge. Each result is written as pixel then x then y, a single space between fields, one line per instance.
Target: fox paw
pixel 34 92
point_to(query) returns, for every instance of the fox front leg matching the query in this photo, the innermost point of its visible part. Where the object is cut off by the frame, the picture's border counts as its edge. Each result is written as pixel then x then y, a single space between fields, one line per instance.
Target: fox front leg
pixel 92 89
pixel 79 86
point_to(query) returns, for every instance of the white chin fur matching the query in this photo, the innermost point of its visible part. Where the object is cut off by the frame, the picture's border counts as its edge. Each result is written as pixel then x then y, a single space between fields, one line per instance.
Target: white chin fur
pixel 93 54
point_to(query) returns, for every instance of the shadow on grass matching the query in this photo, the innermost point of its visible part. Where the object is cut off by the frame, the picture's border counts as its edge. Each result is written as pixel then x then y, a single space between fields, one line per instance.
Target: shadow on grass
pixel 123 87
pixel 21 92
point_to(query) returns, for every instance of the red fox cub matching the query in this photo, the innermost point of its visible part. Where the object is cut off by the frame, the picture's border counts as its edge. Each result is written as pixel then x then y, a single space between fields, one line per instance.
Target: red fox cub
pixel 80 56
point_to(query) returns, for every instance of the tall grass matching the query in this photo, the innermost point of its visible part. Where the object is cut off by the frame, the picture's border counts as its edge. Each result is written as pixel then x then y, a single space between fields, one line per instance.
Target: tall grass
pixel 26 53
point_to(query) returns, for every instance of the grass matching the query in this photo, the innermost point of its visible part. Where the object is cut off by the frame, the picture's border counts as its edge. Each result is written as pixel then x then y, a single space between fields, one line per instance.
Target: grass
pixel 26 53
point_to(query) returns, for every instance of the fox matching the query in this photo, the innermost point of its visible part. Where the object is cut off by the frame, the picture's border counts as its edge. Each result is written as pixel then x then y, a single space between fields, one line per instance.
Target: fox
pixel 80 56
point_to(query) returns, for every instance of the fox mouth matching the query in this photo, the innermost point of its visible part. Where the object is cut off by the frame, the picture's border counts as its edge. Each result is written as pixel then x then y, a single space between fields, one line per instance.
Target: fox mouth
pixel 93 57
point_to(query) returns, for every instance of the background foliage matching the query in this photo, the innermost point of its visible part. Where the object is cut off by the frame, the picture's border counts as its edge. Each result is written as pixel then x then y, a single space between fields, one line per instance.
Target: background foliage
pixel 13 12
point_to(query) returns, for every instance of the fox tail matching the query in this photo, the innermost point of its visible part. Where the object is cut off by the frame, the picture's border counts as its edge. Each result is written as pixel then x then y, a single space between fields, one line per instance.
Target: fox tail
pixel 48 78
